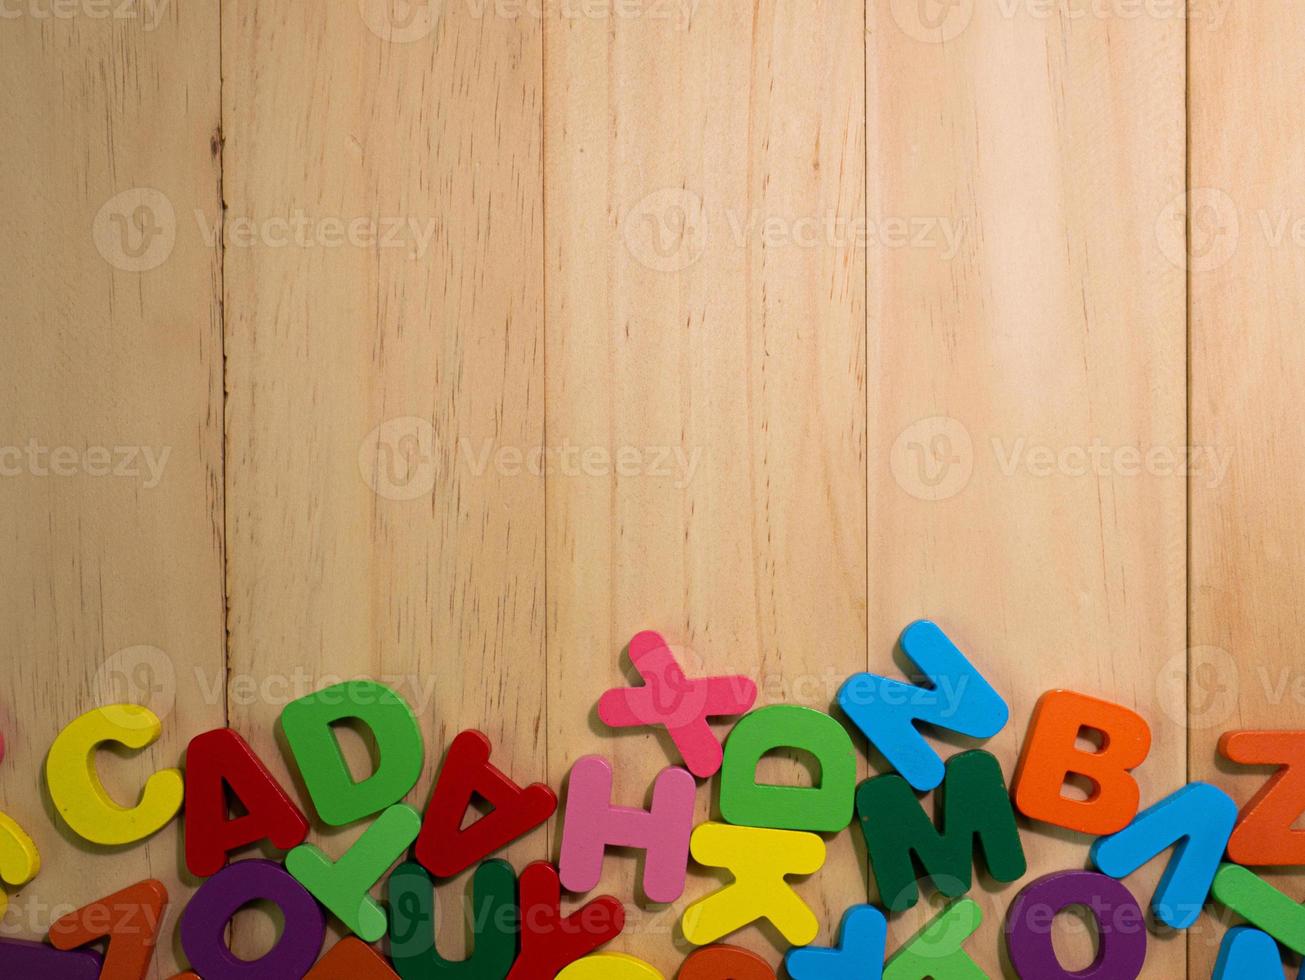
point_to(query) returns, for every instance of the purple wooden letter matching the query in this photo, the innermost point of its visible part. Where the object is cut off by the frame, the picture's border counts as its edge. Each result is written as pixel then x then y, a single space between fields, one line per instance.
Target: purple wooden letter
pixel 1121 927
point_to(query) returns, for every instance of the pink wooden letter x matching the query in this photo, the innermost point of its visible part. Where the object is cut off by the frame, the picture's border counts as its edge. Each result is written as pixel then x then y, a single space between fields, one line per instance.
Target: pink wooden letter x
pixel 680 703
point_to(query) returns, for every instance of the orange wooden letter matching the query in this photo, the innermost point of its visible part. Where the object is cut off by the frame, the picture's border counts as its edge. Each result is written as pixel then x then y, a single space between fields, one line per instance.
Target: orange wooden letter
pixel 1050 757
pixel 1264 834
pixel 131 920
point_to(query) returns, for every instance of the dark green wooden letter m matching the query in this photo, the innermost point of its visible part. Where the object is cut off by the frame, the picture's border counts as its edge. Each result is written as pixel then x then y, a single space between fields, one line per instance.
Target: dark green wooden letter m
pixel 973 807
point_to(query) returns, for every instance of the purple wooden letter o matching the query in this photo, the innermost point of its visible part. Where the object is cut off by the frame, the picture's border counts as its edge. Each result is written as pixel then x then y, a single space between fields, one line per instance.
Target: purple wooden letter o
pixel 204 922
pixel 1120 927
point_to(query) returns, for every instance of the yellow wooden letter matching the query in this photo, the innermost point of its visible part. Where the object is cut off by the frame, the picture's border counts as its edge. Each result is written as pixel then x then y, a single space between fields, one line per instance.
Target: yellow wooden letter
pixel 759 860
pixel 19 858
pixel 75 786
pixel 610 966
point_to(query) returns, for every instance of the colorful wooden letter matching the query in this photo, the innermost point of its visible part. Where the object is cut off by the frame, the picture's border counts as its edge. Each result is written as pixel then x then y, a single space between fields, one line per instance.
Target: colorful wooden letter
pixel 549 940
pixel 307 726
pixel 593 823
pixel 1050 757
pixel 759 860
pixel 204 923
pixel 444 847
pixel 20 958
pixel 937 950
pixel 858 956
pixel 826 806
pixel 1266 834
pixel 219 760
pixel 492 919
pixel 1247 954
pixel 974 809
pixel 81 798
pixel 1121 927
pixel 724 963
pixel 1197 819
pixel 1262 905
pixel 130 919
pixel 681 704
pixel 351 959
pixel 610 966
pixel 20 861
pixel 959 699
pixel 343 885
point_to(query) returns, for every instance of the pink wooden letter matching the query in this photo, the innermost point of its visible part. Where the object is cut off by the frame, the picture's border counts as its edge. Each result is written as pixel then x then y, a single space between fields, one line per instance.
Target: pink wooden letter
pixel 592 824
pixel 680 703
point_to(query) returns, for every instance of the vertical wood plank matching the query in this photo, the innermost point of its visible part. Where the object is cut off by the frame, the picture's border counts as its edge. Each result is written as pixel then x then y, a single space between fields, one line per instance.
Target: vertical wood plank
pixel 386 377
pixel 1247 272
pixel 1049 145
pixel 704 183
pixel 111 453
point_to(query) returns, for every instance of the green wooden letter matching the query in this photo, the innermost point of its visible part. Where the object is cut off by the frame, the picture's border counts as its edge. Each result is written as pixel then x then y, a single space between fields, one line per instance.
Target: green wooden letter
pixel 975 808
pixel 493 919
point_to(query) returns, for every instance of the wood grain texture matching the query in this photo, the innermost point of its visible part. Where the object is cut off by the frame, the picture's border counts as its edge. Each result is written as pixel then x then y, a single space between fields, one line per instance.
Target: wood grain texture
pixel 112 333
pixel 698 305
pixel 1247 298
pixel 367 381
pixel 451 344
pixel 1051 144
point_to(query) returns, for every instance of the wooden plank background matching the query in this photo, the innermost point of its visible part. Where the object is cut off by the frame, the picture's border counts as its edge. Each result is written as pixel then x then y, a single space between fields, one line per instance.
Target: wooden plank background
pixel 1247 296
pixel 112 315
pixel 455 342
